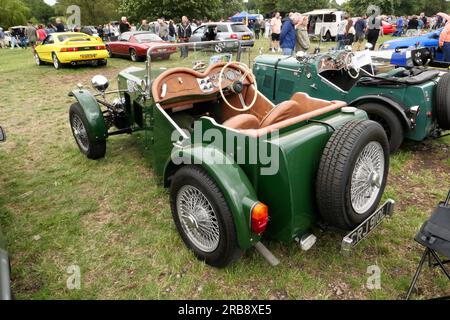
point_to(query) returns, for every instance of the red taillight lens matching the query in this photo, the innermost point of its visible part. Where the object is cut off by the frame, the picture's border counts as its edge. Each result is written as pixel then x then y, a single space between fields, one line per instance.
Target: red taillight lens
pixel 100 48
pixel 233 36
pixel 69 49
pixel 260 218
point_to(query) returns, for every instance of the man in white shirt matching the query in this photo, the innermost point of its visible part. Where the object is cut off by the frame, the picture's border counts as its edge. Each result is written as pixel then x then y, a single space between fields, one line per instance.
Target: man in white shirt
pixel 341 34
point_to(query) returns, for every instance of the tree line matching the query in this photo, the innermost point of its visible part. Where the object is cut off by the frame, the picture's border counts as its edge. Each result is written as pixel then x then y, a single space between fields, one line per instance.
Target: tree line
pixel 16 12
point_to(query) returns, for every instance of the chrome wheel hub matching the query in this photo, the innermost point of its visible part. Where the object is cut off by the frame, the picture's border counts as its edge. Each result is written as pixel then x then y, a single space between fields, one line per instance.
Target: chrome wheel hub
pixel 197 218
pixel 80 133
pixel 367 177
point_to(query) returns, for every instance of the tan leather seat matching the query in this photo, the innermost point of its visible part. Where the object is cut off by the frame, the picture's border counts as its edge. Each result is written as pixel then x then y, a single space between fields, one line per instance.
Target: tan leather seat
pixel 285 110
pixel 242 121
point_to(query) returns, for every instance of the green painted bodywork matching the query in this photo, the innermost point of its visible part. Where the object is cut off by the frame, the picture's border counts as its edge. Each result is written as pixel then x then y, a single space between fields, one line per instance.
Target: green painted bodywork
pixel 279 77
pixel 92 112
pixel 289 192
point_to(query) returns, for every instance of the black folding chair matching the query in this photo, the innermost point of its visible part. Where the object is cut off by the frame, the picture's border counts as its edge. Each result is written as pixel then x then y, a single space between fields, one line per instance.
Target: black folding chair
pixel 435 237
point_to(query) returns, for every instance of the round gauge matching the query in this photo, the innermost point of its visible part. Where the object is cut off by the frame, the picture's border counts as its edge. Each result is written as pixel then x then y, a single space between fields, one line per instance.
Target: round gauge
pixel 231 75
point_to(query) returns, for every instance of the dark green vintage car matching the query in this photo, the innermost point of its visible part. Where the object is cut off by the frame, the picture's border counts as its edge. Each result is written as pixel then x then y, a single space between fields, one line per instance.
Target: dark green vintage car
pixel 238 167
pixel 409 103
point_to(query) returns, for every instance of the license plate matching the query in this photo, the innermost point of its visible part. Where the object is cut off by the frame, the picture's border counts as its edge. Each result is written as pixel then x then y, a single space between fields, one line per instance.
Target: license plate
pixel 365 228
pixel 162 50
pixel 245 37
pixel 91 55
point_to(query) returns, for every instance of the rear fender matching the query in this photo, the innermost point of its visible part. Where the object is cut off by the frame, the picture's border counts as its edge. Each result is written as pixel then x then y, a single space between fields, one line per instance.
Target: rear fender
pixel 231 180
pixel 390 103
pixel 93 113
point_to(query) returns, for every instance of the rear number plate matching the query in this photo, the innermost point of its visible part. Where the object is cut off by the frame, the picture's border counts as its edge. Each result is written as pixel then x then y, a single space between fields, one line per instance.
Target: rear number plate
pixel 245 37
pixel 92 55
pixel 366 227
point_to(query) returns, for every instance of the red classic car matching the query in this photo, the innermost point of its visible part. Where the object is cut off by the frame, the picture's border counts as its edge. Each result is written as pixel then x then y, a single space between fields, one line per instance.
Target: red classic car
pixel 135 45
pixel 388 28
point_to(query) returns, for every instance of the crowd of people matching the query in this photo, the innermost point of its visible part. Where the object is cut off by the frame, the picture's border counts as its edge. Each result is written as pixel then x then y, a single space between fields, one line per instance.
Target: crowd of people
pixel 287 35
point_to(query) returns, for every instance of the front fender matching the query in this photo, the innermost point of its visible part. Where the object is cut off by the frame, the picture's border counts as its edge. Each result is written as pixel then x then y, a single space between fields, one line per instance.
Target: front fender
pixel 231 180
pixel 93 113
pixel 389 102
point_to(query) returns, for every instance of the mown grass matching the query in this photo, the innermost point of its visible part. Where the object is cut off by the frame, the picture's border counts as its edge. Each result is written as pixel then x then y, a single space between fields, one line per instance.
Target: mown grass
pixel 111 219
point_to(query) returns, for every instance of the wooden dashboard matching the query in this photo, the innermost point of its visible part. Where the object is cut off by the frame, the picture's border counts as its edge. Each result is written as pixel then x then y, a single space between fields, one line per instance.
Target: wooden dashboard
pixel 183 85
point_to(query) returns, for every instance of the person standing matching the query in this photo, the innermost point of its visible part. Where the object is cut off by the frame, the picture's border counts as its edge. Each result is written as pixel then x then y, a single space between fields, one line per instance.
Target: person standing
pixel 257 28
pixel 172 31
pixel 349 32
pixel 124 25
pixel 360 33
pixel 341 33
pixel 288 35
pixel 444 41
pixel 50 29
pixel 14 42
pixel 267 29
pixel 41 34
pixel 302 40
pixel 184 33
pixel 413 25
pixel 275 27
pixel 2 39
pixel 59 25
pixel 373 30
pixel 144 26
pixel 163 29
pixel 31 34
pixel 399 27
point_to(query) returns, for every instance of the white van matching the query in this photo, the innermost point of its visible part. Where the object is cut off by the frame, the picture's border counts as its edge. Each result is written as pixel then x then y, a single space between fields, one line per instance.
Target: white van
pixel 328 19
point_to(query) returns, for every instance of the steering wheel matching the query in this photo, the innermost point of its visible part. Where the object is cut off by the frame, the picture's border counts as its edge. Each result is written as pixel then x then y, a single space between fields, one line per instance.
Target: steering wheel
pixel 238 86
pixel 349 66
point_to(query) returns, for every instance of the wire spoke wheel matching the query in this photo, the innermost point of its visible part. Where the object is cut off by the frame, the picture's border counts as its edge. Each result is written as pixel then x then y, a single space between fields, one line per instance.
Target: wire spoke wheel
pixel 367 177
pixel 80 132
pixel 198 218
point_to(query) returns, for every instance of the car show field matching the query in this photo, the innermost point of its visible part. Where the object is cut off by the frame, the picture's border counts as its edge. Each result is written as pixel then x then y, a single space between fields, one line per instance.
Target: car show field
pixel 110 219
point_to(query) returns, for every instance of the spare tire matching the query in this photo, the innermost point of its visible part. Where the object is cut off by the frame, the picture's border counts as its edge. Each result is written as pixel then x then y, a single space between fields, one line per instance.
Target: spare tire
pixel 352 174
pixel 443 102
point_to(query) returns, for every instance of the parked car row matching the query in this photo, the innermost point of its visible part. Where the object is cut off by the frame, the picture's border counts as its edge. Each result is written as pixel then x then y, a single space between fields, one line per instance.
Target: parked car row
pixel 75 48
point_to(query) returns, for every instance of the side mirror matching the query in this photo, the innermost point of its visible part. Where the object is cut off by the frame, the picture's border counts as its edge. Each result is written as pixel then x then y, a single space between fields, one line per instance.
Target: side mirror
pixel 369 46
pixel 2 135
pixel 100 83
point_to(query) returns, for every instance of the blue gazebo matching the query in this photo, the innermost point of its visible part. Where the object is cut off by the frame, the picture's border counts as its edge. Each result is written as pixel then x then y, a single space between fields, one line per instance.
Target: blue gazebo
pixel 238 17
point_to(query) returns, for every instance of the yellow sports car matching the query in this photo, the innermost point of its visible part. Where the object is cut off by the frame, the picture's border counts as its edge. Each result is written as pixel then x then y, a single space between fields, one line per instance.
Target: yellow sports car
pixel 71 48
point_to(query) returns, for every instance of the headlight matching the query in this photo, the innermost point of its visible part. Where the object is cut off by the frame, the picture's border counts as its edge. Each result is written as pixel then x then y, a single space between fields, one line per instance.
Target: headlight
pixel 386 46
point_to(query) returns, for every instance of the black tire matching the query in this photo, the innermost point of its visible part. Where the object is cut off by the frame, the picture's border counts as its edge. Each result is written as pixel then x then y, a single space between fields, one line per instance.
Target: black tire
pixel 389 120
pixel 89 146
pixel 38 60
pixel 110 54
pixel 443 102
pixel 337 166
pixel 133 55
pixel 227 250
pixel 56 63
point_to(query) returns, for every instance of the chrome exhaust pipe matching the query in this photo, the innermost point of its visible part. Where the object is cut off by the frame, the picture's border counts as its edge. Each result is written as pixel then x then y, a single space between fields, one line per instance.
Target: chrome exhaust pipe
pixel 267 254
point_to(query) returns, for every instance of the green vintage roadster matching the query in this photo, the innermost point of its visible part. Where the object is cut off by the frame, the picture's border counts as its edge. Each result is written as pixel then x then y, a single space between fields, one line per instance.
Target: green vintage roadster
pixel 240 168
pixel 411 103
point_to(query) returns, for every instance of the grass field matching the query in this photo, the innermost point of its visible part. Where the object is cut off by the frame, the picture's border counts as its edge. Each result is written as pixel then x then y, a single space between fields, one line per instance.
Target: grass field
pixel 58 209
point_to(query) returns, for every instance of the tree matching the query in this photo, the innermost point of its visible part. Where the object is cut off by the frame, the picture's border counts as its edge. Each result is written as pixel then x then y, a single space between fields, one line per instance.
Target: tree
pixel 92 12
pixel 40 10
pixel 13 12
pixel 397 7
pixel 152 9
